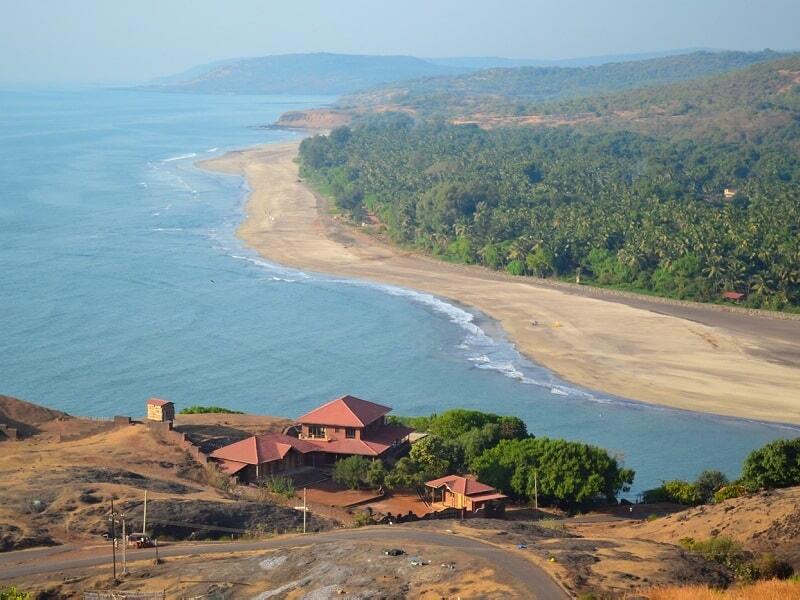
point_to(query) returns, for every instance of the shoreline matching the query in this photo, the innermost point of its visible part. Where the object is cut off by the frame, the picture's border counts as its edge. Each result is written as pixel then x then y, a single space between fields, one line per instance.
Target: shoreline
pixel 700 359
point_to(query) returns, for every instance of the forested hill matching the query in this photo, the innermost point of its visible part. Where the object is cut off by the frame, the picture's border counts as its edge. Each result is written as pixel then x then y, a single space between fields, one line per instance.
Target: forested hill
pixel 319 73
pixel 504 88
pixel 619 200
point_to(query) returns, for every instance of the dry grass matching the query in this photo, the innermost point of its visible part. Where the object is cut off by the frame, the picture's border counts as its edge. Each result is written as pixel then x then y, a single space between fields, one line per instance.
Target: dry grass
pixel 763 590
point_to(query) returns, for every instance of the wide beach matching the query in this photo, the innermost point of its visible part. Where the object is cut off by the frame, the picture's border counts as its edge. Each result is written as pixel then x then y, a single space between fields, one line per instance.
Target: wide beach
pixel 688 357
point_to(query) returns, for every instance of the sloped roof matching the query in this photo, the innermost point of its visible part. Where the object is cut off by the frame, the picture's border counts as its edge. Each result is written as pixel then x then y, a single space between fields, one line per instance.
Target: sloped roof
pixel 347 411
pixel 259 449
pixel 158 402
pixel 457 484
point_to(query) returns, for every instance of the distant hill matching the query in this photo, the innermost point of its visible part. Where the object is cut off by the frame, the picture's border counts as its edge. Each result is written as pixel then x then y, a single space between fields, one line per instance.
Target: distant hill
pixel 488 89
pixel 319 73
pixel 493 62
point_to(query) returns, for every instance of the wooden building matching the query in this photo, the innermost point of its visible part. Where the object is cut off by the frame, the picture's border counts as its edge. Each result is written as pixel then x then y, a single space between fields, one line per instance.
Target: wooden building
pixel 466 493
pixel 160 410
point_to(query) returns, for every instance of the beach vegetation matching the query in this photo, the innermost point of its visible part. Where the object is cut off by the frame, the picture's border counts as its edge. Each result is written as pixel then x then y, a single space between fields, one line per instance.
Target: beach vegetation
pixel 12 593
pixel 636 204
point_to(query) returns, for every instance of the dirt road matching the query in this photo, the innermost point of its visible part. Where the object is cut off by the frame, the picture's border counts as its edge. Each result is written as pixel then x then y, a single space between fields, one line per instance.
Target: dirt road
pixel 528 577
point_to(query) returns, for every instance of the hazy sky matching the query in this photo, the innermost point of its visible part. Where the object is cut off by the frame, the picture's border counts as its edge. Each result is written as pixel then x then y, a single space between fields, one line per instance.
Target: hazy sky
pixel 129 40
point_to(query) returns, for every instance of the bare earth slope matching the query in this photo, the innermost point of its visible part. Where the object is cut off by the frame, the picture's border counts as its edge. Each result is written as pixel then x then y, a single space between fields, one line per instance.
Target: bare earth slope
pixel 639 350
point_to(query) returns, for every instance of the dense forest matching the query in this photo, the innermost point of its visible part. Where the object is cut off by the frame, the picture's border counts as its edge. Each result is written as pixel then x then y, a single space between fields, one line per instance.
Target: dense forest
pixel 615 202
pixel 513 89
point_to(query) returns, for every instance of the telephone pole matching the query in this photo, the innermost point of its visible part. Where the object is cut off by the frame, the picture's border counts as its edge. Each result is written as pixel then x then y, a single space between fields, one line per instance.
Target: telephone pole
pixel 113 540
pixel 304 509
pixel 124 548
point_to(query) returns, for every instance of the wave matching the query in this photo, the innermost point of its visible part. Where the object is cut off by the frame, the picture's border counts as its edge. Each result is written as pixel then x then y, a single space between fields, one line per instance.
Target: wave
pixel 212 149
pixel 180 157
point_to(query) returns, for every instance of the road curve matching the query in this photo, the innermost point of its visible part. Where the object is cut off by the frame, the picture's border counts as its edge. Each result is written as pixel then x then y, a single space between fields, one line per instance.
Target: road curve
pixel 533 580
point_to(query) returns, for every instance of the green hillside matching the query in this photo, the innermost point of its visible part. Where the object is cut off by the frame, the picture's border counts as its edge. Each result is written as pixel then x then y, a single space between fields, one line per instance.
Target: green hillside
pixel 629 195
pixel 509 89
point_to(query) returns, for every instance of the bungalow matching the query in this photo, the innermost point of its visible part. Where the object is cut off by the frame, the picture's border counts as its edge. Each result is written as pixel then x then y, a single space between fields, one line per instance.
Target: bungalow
pixel 160 410
pixel 343 427
pixel 465 493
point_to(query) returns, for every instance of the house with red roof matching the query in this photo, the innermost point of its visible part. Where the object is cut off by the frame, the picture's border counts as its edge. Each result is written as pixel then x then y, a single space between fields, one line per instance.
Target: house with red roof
pixel 465 493
pixel 343 427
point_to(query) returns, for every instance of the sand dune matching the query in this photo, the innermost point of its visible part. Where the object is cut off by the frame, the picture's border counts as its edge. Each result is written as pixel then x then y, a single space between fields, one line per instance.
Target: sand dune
pixel 694 358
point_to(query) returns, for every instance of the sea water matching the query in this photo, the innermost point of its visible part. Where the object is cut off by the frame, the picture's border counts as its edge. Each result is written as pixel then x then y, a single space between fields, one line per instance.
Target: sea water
pixel 121 279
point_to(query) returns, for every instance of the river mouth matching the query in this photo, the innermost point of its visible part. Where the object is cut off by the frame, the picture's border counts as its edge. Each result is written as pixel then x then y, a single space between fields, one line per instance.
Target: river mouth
pixel 123 279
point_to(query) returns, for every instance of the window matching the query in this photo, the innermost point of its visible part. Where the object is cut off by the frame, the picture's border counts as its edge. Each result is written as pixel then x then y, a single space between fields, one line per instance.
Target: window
pixel 350 433
pixel 316 432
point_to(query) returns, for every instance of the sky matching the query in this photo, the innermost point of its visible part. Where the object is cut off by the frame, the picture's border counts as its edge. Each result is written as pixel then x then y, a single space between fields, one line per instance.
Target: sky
pixel 114 41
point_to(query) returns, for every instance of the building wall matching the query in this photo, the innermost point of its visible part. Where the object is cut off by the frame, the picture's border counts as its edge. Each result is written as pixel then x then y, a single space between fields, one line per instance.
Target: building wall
pixel 331 432
pixel 161 413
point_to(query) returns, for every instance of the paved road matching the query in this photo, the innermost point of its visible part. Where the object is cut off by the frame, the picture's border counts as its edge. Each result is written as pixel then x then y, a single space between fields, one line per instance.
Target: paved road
pixel 532 579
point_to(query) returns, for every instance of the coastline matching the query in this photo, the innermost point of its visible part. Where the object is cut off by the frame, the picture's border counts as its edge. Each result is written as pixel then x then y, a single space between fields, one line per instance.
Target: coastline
pixel 695 359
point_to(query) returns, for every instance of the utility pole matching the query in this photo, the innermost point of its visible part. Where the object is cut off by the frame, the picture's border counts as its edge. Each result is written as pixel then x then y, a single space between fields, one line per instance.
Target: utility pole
pixel 144 517
pixel 124 548
pixel 113 540
pixel 304 509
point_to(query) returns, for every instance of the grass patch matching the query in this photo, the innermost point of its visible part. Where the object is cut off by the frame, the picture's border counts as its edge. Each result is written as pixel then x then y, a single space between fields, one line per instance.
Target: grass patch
pixel 201 410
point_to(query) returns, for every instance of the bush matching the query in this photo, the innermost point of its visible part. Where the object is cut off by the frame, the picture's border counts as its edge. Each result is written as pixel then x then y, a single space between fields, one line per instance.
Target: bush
pixel 199 410
pixel 363 519
pixel 351 471
pixel 280 485
pixel 709 483
pixel 729 491
pixel 675 491
pixel 770 567
pixel 775 465
pixel 12 593
pixel 376 474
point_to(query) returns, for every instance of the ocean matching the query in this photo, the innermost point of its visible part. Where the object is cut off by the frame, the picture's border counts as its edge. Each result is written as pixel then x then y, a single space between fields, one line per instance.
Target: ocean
pixel 121 278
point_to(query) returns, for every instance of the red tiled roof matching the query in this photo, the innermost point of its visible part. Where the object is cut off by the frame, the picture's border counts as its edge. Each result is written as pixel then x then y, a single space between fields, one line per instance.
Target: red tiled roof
pixel 347 411
pixel 376 444
pixel 158 402
pixel 733 295
pixel 485 497
pixel 461 485
pixel 259 449
pixel 229 466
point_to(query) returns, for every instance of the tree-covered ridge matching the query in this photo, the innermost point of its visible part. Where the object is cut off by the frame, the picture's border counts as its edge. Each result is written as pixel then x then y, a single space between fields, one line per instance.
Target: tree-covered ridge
pixel 515 88
pixel 642 210
pixel 742 104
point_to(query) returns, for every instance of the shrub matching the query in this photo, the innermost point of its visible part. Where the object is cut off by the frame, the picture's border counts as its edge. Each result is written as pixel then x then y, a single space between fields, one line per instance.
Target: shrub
pixel 676 491
pixel 362 519
pixel 12 593
pixel 199 410
pixel 280 485
pixel 351 471
pixel 771 567
pixel 775 465
pixel 730 491
pixel 376 474
pixel 709 483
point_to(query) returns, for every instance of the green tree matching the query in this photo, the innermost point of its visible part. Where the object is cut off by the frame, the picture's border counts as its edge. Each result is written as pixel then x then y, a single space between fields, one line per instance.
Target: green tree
pixel 568 474
pixel 709 483
pixel 774 465
pixel 404 475
pixel 434 456
pixel 351 471
pixel 376 474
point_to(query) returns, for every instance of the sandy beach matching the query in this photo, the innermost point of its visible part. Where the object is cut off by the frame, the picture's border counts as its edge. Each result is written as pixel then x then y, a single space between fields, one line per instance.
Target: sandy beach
pixel 689 357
